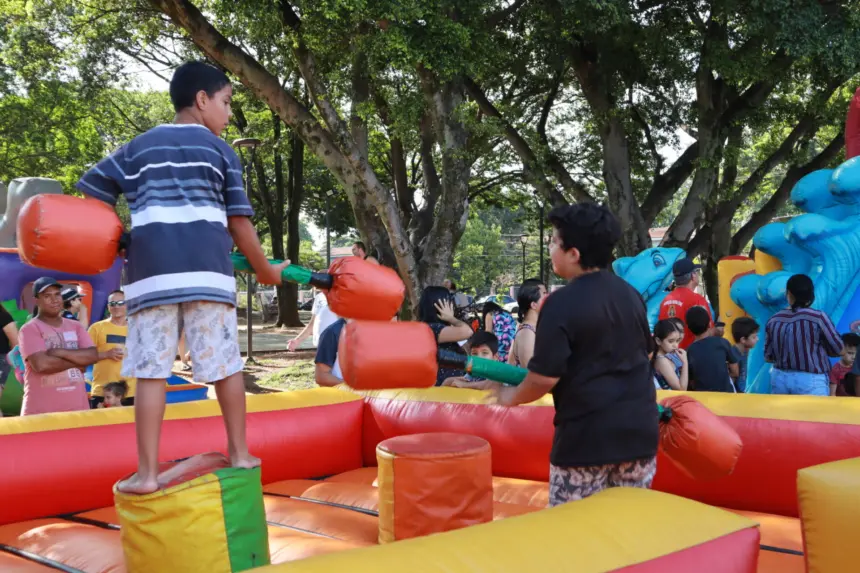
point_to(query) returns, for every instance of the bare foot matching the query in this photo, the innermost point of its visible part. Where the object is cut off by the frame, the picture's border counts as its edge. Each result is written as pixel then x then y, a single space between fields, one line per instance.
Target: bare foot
pixel 246 461
pixel 137 485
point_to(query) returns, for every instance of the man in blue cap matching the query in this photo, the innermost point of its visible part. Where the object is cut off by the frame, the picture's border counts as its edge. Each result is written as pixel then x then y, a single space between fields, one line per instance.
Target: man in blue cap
pixel 684 297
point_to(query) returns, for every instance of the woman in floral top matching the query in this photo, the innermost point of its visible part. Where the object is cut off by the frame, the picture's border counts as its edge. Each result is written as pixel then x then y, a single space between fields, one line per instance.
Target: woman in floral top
pixel 500 322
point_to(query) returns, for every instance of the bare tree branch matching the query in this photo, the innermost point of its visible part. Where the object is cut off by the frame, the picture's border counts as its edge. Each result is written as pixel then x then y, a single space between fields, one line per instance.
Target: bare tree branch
pixel 532 168
pixel 768 211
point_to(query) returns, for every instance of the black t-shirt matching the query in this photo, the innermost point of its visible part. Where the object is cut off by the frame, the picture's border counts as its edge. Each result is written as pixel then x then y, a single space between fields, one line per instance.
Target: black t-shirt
pixel 708 359
pixel 444 373
pixel 593 334
pixel 5 347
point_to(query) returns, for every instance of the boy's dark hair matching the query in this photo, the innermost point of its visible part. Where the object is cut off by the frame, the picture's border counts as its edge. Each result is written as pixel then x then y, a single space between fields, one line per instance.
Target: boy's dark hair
pixel 698 320
pixel 427 303
pixel 529 293
pixel 851 339
pixel 117 291
pixel 803 291
pixel 589 228
pixel 849 384
pixel 193 77
pixel 744 327
pixel 119 388
pixel 484 338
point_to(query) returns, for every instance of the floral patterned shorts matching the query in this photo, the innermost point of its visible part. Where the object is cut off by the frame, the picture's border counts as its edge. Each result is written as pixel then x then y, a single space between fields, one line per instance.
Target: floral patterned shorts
pixel 211 336
pixel 571 484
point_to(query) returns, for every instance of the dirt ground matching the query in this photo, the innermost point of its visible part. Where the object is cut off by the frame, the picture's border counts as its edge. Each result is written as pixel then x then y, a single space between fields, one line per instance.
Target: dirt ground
pixel 272 371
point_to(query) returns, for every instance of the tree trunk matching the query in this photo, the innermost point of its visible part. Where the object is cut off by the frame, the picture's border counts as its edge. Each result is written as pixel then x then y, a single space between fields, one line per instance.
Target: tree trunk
pixel 719 246
pixel 619 188
pixel 449 223
pixel 597 88
pixel 288 293
pixel 710 100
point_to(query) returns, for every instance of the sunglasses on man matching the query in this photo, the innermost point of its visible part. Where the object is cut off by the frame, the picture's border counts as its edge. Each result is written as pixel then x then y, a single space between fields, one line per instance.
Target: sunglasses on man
pixel 116 303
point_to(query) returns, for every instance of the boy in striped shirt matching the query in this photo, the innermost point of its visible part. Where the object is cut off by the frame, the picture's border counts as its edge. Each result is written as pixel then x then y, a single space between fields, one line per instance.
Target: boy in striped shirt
pixel 184 189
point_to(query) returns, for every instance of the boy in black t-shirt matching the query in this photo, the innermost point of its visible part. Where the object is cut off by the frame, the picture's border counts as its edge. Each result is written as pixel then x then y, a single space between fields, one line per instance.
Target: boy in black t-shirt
pixel 713 361
pixel 591 352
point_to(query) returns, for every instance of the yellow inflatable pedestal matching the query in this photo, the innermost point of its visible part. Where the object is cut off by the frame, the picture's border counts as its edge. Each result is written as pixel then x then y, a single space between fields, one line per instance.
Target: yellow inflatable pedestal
pixel 206 516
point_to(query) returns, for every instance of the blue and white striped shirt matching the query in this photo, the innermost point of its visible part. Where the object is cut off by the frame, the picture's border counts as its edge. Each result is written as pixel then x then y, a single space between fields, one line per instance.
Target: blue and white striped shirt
pixel 181 183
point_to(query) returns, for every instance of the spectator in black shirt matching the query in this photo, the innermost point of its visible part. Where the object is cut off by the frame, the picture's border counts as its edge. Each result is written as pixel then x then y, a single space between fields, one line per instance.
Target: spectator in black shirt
pixel 591 352
pixel 436 308
pixel 712 358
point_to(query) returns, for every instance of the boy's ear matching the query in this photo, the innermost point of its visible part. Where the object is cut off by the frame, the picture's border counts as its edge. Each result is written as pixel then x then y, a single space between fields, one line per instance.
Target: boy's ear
pixel 201 98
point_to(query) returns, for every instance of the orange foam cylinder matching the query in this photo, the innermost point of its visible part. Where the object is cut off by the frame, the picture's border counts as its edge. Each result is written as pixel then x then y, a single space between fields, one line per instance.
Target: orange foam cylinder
pixel 377 355
pixel 364 291
pixel 68 234
pixel 697 441
pixel 430 483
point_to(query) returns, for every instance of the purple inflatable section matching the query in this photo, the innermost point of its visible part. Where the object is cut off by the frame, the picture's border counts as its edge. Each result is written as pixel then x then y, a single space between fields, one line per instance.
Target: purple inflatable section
pixel 15 275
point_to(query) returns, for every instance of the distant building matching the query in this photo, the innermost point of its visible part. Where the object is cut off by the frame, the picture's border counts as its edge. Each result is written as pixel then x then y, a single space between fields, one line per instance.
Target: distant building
pixel 657 235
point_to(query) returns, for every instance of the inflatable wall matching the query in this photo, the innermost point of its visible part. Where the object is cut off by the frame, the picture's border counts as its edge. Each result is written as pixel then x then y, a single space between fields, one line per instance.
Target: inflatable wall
pixel 322 495
pixel 17 276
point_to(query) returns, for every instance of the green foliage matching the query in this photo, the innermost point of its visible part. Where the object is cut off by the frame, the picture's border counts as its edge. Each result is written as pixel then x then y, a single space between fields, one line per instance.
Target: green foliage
pixel 479 260
pixel 309 258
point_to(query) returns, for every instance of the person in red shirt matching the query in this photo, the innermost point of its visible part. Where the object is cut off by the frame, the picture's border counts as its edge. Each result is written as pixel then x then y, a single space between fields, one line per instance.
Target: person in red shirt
pixel 684 296
pixel 845 364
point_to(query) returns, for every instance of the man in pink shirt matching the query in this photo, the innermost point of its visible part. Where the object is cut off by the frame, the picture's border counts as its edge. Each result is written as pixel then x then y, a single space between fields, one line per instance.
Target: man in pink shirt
pixel 54 350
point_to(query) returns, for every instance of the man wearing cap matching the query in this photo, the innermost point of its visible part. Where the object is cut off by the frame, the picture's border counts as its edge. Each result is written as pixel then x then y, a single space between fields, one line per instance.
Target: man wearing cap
pixel 684 296
pixel 54 350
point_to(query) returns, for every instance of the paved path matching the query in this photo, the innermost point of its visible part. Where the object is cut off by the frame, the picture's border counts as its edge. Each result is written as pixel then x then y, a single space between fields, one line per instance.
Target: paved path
pixel 271 341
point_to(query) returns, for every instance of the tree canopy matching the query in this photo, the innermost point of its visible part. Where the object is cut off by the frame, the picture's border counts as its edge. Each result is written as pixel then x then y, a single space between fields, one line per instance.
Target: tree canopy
pixel 392 118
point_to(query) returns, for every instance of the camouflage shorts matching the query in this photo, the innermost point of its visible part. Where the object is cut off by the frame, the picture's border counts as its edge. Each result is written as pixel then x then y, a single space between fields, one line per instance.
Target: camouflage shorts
pixel 571 484
pixel 211 336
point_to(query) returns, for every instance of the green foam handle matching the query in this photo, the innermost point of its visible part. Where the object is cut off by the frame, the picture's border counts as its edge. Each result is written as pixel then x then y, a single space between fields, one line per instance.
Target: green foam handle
pixel 293 273
pixel 495 370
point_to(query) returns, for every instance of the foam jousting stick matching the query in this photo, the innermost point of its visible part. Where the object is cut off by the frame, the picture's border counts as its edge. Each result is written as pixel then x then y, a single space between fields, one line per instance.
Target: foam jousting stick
pixel 355 288
pixel 82 236
pixel 386 355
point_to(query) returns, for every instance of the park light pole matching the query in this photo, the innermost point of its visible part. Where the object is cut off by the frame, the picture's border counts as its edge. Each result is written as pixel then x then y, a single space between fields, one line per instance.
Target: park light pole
pixel 327 196
pixel 523 240
pixel 250 143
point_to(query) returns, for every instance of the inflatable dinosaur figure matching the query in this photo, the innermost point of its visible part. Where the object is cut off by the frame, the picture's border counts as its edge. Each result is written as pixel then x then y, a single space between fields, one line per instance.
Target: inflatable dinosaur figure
pixel 650 273
pixel 14 198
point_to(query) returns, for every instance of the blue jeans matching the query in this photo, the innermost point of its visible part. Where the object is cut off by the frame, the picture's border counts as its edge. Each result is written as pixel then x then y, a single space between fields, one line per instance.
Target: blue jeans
pixel 792 382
